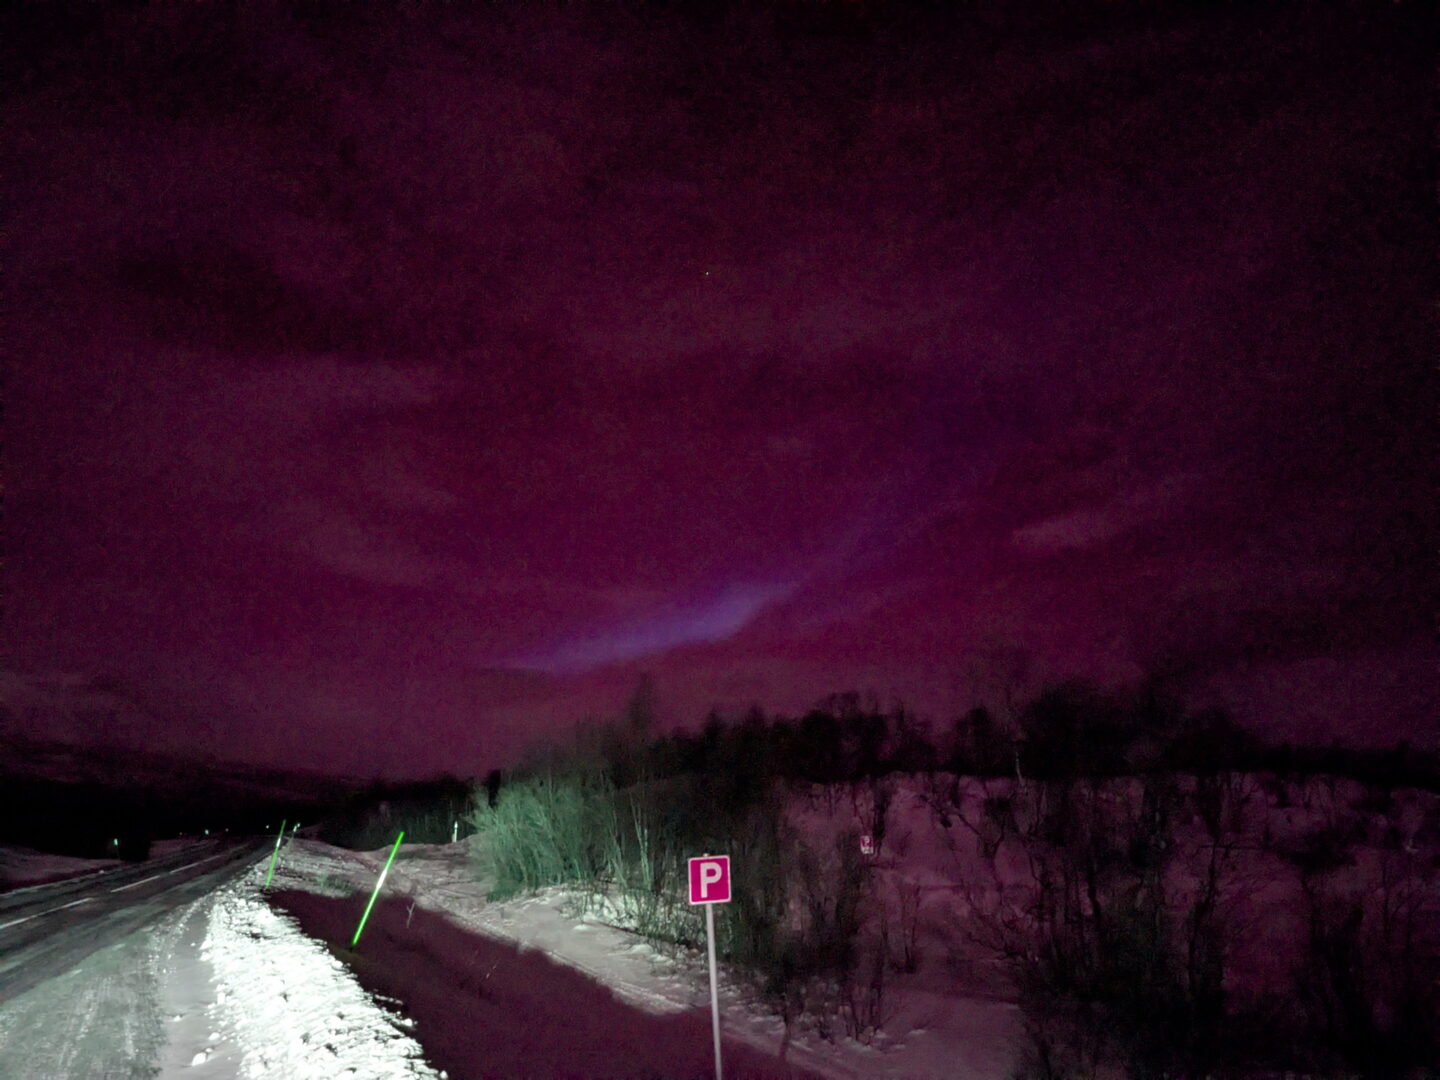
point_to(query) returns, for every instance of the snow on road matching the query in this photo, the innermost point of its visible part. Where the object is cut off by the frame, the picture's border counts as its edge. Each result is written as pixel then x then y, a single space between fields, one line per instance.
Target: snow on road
pixel 100 1019
pixel 225 988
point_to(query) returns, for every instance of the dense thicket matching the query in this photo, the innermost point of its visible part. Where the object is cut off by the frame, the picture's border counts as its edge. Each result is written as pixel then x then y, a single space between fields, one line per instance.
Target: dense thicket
pixel 1073 729
pixel 1112 798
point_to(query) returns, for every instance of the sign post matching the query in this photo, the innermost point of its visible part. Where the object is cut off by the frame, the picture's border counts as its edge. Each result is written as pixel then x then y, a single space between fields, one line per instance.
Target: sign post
pixel 710 885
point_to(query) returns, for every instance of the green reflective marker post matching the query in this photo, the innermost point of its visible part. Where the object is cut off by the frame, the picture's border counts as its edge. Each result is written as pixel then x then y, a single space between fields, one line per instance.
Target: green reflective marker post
pixel 275 855
pixel 360 929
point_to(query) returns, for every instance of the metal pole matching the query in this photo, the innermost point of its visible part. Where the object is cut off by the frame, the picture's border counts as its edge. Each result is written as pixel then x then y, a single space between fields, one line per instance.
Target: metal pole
pixel 714 993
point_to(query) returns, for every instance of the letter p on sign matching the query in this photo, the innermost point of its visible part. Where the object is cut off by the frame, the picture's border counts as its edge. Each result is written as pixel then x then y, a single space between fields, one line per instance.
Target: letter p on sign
pixel 710 879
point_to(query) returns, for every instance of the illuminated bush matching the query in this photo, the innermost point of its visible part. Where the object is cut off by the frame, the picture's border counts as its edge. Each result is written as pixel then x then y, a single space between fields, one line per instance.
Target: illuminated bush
pixel 547 830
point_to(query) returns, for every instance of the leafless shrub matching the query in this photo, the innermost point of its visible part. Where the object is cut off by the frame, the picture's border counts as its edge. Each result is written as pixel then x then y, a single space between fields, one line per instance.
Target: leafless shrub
pixel 867 1003
pixel 1369 981
pixel 1114 963
pixel 907 920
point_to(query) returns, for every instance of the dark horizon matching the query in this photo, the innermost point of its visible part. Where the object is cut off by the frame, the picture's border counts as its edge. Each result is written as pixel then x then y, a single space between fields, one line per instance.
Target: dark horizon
pixel 392 390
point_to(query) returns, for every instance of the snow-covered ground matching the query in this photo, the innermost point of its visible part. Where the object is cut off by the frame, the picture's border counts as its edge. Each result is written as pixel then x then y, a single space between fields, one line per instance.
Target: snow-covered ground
pixel 25 868
pixel 518 990
pixel 263 984
pixel 231 988
pixel 434 905
pixel 290 1009
pixel 22 867
pixel 243 985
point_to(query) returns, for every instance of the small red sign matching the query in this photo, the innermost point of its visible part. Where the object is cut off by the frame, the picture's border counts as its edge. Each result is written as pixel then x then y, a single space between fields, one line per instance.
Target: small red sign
pixel 710 879
pixel 867 844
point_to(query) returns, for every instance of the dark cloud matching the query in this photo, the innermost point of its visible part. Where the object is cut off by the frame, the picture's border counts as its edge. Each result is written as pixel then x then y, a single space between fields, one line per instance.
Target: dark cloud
pixel 218 298
pixel 364 356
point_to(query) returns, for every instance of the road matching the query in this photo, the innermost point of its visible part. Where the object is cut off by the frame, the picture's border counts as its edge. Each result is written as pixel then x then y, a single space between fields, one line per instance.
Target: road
pixel 48 929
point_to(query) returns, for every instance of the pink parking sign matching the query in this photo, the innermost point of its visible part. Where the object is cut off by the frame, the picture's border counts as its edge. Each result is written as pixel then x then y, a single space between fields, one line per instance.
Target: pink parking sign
pixel 710 879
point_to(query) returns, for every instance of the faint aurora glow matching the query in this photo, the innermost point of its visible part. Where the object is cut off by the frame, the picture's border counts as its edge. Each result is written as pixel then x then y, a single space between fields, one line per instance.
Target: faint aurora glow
pixel 713 618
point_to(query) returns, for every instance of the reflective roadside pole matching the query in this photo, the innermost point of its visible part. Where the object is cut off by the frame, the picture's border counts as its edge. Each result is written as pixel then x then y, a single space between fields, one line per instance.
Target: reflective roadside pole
pixel 361 928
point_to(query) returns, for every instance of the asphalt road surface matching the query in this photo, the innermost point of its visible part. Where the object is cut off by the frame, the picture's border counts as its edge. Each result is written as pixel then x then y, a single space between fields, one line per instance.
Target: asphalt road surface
pixel 48 929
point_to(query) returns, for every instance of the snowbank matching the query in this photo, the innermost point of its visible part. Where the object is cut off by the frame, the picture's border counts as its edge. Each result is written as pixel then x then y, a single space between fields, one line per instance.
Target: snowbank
pixel 292 1008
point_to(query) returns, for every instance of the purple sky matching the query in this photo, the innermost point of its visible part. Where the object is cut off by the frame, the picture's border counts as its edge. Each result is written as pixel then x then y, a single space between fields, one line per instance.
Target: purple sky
pixel 389 389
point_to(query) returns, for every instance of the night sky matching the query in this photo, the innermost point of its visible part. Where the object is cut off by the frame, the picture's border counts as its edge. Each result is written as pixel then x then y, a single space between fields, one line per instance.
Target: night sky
pixel 388 387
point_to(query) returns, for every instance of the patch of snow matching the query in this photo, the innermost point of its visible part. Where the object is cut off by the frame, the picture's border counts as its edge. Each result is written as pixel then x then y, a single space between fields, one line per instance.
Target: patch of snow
pixel 22 867
pixel 193 1050
pixel 291 1008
